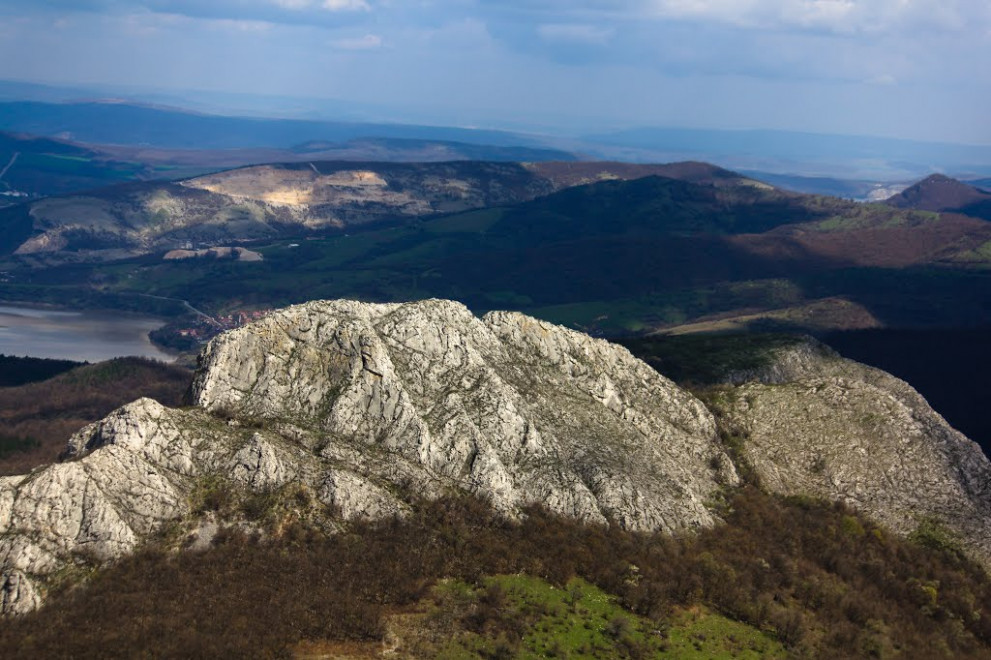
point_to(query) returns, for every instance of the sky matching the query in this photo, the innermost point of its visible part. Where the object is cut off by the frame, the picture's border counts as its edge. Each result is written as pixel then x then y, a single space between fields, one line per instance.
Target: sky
pixel 914 69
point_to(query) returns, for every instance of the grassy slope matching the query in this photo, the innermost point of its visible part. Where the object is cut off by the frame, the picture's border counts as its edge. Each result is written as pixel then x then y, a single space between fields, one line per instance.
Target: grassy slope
pixel 49 167
pixel 528 617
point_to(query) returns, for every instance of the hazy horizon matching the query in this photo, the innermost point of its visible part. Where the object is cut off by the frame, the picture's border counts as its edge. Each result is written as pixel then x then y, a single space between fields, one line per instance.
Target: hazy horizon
pixel 890 68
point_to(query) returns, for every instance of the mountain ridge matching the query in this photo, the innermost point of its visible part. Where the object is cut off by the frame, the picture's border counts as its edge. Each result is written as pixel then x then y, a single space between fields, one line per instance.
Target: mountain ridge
pixel 294 199
pixel 363 405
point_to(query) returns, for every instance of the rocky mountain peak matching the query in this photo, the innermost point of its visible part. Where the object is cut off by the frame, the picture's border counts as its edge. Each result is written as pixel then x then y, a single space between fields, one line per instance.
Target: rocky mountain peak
pixel 351 410
pixel 366 407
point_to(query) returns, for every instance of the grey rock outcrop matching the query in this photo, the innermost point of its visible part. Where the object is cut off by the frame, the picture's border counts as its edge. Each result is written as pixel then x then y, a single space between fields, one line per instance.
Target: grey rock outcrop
pixel 366 407
pixel 506 406
pixel 816 424
pixel 353 410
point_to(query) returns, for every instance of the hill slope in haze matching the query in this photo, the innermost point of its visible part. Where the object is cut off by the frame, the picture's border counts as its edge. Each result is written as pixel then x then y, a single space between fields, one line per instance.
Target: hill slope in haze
pixel 268 201
pixel 941 193
pixel 33 167
pixel 613 256
pixel 114 123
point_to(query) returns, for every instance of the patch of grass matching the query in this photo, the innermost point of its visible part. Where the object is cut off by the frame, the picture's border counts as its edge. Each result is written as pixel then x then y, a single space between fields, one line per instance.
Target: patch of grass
pixel 213 493
pixel 979 255
pixel 527 617
pixel 873 215
pixel 698 632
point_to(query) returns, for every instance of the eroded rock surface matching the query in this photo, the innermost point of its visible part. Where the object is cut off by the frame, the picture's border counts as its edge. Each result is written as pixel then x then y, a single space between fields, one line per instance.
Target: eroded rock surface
pixel 816 424
pixel 348 410
pixel 365 407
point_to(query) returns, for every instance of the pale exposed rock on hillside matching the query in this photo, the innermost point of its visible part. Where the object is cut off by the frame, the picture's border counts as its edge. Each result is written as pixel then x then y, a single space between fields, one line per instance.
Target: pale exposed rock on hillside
pixel 238 253
pixel 354 410
pixel 268 201
pixel 816 424
pixel 292 199
pixel 363 406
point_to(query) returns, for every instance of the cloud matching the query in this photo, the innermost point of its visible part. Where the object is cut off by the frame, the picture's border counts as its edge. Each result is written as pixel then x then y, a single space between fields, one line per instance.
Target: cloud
pixel 294 5
pixel 883 79
pixel 841 16
pixel 706 59
pixel 838 16
pixel 345 5
pixel 292 12
pixel 576 33
pixel 367 42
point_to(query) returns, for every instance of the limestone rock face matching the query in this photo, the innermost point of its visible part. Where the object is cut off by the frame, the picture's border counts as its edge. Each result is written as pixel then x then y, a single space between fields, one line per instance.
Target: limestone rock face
pixel 505 406
pixel 364 407
pixel 820 425
pixel 342 410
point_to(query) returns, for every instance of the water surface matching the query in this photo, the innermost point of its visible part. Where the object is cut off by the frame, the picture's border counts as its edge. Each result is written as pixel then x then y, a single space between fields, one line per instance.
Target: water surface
pixel 88 336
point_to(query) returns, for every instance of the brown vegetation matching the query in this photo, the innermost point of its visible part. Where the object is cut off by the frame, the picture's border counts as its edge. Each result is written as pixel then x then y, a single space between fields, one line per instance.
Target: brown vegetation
pixel 565 174
pixel 37 419
pixel 939 193
pixel 873 244
pixel 822 579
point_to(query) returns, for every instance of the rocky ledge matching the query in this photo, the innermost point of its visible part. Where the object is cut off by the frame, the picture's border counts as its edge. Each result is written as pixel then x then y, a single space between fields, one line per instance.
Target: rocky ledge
pixel 814 424
pixel 364 408
pixel 349 410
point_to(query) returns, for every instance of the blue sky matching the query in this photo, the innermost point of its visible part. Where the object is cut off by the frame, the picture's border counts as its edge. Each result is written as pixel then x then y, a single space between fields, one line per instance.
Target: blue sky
pixel 900 68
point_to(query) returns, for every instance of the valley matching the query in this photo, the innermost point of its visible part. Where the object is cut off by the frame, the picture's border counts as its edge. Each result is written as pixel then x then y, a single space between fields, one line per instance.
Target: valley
pixel 610 257
pixel 610 249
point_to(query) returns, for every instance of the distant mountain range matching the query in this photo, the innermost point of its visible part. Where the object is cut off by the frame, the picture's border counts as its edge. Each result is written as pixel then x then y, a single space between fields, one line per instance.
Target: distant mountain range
pixel 294 199
pixel 813 156
pixel 607 247
pixel 139 125
pixel 32 167
pixel 796 153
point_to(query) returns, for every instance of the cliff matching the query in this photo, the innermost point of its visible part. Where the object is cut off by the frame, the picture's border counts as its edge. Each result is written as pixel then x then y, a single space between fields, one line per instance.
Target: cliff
pixel 366 407
pixel 343 410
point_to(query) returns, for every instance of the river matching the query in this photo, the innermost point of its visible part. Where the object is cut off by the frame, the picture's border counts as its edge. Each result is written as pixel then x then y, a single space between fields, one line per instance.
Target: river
pixel 88 336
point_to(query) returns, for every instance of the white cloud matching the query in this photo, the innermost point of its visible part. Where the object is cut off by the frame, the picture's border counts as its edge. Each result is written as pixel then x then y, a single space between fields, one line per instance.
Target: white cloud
pixel 844 16
pixel 329 5
pixel 367 42
pixel 885 79
pixel 576 33
pixel 242 25
pixel 345 5
pixel 294 4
